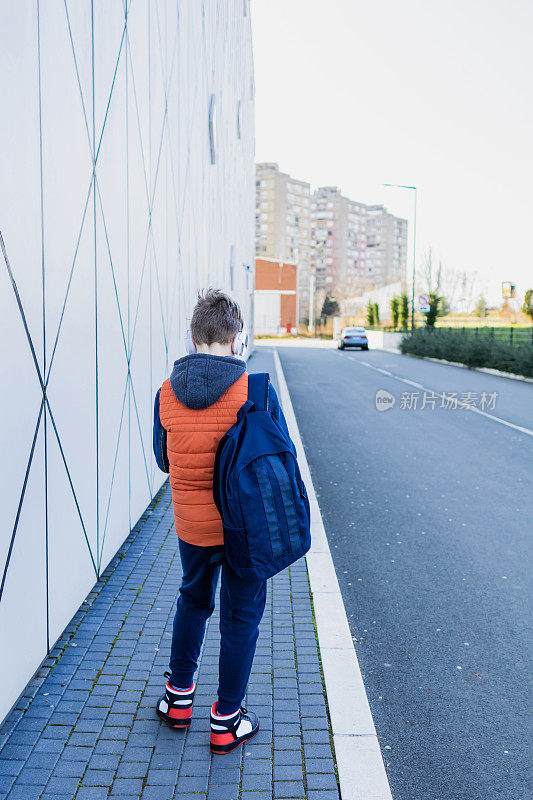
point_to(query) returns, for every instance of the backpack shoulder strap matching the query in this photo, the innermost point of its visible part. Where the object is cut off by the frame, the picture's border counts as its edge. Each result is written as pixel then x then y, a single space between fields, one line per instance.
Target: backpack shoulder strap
pixel 258 389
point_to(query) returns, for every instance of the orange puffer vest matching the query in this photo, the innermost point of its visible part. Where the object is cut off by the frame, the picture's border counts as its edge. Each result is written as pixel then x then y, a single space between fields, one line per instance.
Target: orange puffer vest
pixel 192 440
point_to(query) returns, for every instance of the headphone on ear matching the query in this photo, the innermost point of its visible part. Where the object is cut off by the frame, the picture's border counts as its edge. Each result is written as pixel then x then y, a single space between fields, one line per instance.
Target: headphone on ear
pixel 238 345
pixel 189 344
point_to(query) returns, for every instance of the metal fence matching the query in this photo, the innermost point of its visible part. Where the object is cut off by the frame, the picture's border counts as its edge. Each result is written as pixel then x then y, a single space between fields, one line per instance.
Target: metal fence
pixel 506 334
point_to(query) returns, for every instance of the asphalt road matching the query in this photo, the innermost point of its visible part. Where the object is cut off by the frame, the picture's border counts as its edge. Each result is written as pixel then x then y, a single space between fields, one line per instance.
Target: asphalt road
pixel 429 515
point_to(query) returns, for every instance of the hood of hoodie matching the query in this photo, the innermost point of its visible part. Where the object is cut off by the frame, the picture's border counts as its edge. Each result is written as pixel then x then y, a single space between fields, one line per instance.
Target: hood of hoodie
pixel 200 379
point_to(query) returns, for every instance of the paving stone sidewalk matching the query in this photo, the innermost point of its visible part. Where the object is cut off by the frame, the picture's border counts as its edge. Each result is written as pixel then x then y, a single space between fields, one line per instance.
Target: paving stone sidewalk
pixel 85 726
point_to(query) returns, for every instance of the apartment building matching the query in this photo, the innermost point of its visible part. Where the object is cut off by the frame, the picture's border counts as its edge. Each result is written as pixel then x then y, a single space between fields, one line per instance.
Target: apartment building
pixel 340 246
pixel 283 222
pixel 386 246
pixel 354 246
pixel 338 231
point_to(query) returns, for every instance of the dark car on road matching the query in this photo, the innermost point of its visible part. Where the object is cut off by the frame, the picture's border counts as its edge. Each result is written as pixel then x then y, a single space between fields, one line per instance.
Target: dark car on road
pixel 353 337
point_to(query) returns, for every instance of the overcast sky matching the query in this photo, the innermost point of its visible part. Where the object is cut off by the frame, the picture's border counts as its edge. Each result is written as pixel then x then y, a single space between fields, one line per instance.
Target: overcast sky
pixel 435 94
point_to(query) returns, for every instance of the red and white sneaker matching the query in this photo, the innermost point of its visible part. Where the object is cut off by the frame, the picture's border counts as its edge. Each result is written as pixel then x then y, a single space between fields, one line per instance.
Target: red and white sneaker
pixel 229 731
pixel 175 707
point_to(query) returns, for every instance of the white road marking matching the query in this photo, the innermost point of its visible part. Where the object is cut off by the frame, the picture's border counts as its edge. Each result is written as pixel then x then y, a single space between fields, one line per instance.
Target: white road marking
pixel 411 383
pixel 357 751
pixel 466 406
pixel 502 421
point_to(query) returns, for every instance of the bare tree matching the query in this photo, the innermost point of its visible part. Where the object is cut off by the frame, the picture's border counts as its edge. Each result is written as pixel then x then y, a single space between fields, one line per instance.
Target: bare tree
pixel 457 287
pixel 451 282
pixel 468 289
pixel 432 276
pixel 352 286
pixel 439 278
pixel 428 270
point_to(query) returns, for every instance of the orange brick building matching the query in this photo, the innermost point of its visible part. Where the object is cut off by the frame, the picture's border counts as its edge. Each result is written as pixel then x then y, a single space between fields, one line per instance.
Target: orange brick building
pixel 275 297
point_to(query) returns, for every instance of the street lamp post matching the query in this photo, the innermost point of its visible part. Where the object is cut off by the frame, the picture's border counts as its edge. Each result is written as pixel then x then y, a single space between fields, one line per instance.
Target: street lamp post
pixel 402 186
pixel 312 290
pixel 296 260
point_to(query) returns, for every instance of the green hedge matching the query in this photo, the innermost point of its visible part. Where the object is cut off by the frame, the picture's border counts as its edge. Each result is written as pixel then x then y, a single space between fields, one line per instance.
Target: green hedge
pixel 470 350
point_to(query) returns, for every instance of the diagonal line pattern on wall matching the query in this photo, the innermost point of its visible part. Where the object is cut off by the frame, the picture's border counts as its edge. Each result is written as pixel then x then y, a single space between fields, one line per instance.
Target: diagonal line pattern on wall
pixel 99 555
pixel 44 402
pixel 21 499
pixel 44 384
pixel 95 182
pixel 91 184
pixel 156 230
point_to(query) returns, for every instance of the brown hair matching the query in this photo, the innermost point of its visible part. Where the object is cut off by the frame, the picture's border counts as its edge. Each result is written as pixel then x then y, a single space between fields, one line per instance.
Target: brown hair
pixel 216 318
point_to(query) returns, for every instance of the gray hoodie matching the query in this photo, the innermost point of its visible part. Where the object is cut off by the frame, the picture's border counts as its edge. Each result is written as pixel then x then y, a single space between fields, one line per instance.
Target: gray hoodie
pixel 200 379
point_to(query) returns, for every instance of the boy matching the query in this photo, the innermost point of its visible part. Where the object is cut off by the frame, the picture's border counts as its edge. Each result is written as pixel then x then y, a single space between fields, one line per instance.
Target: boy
pixel 193 410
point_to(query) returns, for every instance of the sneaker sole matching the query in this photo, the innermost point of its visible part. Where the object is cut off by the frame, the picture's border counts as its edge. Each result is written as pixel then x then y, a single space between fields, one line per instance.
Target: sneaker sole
pixel 170 724
pixel 228 748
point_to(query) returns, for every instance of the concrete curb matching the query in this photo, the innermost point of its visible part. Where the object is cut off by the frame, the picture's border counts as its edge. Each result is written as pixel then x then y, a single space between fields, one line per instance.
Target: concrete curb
pixel 361 770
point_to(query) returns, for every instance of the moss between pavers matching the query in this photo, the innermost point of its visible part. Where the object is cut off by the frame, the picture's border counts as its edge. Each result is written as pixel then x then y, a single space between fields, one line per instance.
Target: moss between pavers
pixel 323 685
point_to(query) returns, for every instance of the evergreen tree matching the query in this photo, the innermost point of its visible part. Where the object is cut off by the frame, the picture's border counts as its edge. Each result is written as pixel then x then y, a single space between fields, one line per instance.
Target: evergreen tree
pixel 404 311
pixel 433 313
pixel 527 308
pixel 370 313
pixel 481 306
pixel 329 307
pixel 395 310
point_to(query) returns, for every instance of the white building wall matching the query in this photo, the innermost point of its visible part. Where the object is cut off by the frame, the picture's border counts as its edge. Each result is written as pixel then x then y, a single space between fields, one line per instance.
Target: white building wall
pixel 99 269
pixel 267 312
pixel 381 296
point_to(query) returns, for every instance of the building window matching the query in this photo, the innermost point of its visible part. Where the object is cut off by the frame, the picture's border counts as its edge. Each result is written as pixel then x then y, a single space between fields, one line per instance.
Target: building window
pixel 231 266
pixel 212 129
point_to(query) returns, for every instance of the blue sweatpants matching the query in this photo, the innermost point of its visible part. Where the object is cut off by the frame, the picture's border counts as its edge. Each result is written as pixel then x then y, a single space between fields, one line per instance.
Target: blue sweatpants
pixel 242 604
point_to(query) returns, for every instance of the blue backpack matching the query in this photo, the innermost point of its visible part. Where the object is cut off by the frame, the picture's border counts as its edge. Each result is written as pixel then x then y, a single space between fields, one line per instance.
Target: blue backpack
pixel 259 492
